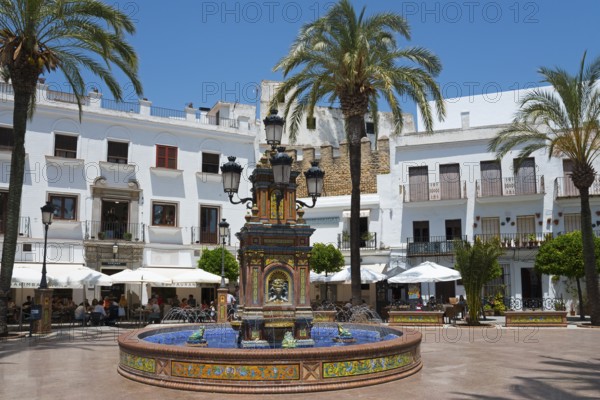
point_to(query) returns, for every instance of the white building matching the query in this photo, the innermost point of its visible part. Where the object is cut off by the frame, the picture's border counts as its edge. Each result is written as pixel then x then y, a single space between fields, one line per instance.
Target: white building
pixel 133 184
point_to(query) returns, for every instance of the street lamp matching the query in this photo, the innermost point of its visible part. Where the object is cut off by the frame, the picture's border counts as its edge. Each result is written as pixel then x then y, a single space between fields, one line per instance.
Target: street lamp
pixel 115 250
pixel 224 232
pixel 47 213
pixel 281 164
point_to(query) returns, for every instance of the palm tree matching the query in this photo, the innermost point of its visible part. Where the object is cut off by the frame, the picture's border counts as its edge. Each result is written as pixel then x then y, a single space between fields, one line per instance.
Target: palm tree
pixel 564 122
pixel 54 35
pixel 354 60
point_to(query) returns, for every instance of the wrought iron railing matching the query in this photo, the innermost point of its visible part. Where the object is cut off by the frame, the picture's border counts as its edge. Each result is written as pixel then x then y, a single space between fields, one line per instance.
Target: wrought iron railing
pixel 367 241
pixel 534 303
pixel 123 106
pixel 24 226
pixel 214 120
pixel 431 245
pixel 65 97
pixel 198 236
pixel 564 187
pixel 415 192
pixel 166 113
pixel 517 240
pixel 105 230
pixel 511 186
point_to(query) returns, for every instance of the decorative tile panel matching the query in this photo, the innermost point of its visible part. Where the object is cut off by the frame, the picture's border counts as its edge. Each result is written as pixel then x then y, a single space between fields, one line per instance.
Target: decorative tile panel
pixel 144 364
pixel 366 366
pixel 235 372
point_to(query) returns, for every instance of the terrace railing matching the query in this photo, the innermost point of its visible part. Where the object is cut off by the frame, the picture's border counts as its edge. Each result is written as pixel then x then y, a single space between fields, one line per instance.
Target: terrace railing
pixel 415 192
pixel 104 230
pixel 511 186
pixel 431 245
pixel 368 241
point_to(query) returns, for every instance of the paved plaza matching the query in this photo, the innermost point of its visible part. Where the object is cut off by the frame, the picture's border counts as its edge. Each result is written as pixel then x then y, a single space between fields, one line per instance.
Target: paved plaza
pixel 458 363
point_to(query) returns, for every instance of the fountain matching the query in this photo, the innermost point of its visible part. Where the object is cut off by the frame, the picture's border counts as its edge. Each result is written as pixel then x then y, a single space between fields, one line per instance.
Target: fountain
pixel 277 346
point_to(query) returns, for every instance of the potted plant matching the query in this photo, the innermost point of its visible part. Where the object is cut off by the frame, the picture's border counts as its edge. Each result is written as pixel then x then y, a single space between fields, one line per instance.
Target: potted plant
pixel 101 235
pixel 559 305
pixel 488 310
pixel 506 241
pixel 127 236
pixel 532 240
pixel 499 306
pixel 517 241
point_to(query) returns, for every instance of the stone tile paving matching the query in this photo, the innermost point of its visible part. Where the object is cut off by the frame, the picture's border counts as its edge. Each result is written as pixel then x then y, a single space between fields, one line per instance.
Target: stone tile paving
pixel 459 363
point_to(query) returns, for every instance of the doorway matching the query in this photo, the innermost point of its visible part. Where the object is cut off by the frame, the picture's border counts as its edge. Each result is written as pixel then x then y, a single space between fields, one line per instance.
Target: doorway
pixel 531 284
pixel 445 290
pixel 115 218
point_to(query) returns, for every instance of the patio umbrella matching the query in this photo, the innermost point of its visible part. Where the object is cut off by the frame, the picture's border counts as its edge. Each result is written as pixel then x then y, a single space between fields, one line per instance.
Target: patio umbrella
pixel 314 277
pixel 142 276
pixel 26 277
pixel 196 275
pixel 426 272
pixel 366 276
pixel 80 278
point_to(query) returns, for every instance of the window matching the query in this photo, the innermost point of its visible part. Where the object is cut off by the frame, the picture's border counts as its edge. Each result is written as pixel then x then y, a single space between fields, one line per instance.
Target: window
pixel 164 214
pixel 525 179
pixel 418 183
pixel 6 139
pixel 117 152
pixel 569 188
pixel 490 228
pixel 449 181
pixel 166 156
pixel 311 123
pixel 572 222
pixel 491 178
pixel 65 146
pixel 65 207
pixel 370 128
pixel 210 163
pixel 209 225
pixel 525 226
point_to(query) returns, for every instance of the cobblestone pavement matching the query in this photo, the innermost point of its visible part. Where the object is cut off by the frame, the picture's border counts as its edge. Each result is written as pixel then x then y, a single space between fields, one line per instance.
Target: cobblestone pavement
pixel 459 363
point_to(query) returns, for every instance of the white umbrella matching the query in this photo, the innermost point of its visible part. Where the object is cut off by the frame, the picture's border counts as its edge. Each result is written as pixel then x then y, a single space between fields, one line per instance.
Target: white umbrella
pixel 426 272
pixel 79 278
pixel 314 277
pixel 26 277
pixel 366 276
pixel 196 275
pixel 140 275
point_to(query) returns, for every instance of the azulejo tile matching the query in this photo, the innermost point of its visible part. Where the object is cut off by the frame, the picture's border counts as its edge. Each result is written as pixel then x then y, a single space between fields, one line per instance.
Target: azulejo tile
pixel 366 366
pixel 235 372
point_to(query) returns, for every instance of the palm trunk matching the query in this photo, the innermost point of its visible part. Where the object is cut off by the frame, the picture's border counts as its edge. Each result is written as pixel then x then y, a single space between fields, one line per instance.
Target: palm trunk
pixel 17 169
pixel 589 257
pixel 354 127
pixel 580 297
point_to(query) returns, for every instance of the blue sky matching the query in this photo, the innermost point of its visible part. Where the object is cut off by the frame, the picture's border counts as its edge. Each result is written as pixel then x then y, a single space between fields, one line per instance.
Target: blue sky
pixel 205 51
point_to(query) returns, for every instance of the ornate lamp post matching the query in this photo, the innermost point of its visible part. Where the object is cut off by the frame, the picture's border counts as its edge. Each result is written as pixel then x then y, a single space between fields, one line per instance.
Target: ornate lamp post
pixel 115 249
pixel 47 214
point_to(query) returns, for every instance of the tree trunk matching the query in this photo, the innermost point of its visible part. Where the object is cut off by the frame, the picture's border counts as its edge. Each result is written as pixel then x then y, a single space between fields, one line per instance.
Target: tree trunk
pixel 580 295
pixel 589 257
pixel 17 169
pixel 355 126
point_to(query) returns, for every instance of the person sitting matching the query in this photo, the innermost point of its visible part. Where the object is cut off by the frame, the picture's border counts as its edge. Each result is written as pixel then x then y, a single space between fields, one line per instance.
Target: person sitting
pixel 81 314
pixel 98 313
pixel 191 300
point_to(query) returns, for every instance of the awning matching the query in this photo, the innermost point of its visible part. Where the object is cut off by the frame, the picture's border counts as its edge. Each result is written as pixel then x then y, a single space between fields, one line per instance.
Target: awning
pixel 58 271
pixel 363 213
pixel 171 272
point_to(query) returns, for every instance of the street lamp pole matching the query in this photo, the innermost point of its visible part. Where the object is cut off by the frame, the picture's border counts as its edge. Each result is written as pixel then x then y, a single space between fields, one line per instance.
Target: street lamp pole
pixel 223 231
pixel 47 213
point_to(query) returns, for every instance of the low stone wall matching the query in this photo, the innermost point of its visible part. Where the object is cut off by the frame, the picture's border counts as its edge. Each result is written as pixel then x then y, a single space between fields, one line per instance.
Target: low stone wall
pixel 536 318
pixel 400 318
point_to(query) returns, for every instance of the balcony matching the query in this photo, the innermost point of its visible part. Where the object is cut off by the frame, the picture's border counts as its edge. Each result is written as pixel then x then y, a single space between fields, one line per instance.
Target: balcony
pixel 24 227
pixel 449 192
pixel 566 192
pixel 114 231
pixel 431 246
pixel 368 241
pixel 509 189
pixel 517 240
pixel 202 237
pixel 217 121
